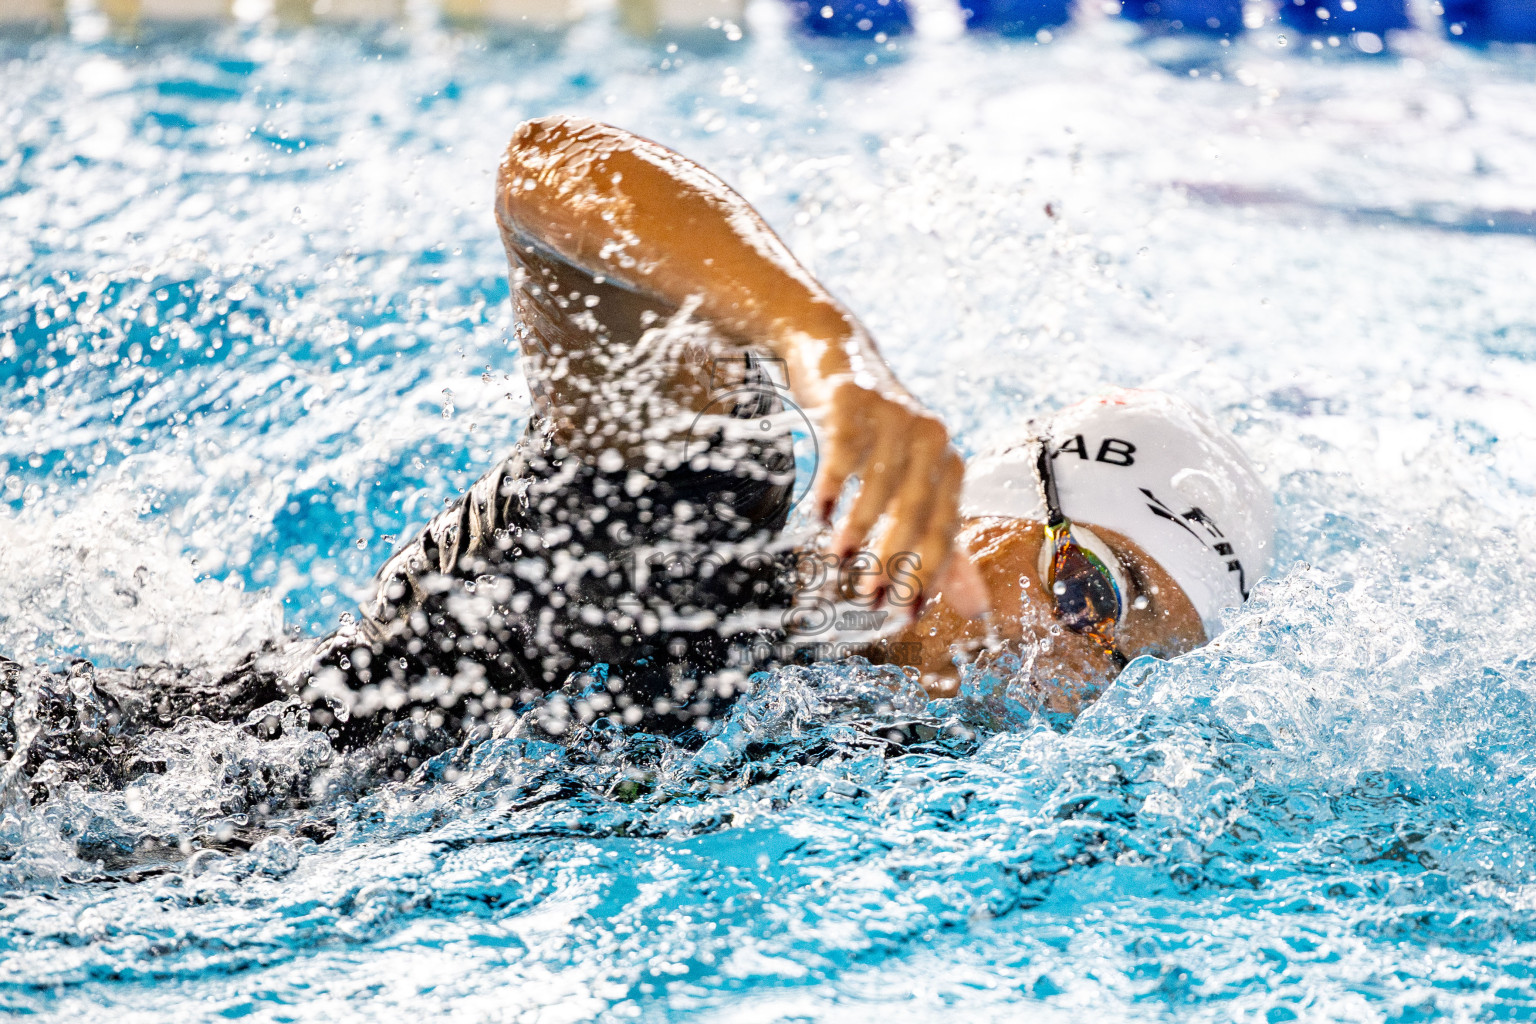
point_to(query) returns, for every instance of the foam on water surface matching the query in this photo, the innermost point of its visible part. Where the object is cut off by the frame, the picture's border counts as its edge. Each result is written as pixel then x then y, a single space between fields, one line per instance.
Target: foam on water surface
pixel 254 331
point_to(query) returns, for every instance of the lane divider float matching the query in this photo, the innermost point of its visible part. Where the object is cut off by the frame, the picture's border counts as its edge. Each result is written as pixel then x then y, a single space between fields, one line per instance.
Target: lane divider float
pixel 1490 21
pixel 853 19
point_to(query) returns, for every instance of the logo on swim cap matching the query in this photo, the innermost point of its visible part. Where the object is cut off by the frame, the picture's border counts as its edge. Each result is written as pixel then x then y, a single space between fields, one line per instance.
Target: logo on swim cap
pixel 1156 470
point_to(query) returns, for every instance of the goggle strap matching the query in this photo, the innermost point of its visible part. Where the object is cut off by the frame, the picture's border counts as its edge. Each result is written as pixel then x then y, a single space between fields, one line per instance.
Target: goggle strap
pixel 1053 514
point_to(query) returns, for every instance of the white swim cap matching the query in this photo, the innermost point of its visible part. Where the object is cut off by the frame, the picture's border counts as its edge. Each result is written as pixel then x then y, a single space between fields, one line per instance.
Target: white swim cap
pixel 1152 468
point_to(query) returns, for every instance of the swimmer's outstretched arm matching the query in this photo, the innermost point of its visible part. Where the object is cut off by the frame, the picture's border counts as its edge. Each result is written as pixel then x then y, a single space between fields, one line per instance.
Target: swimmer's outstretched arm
pixel 641 216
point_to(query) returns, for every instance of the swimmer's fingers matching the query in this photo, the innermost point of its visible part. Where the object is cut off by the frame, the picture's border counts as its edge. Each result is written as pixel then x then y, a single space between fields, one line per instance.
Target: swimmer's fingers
pixel 925 513
pixel 910 475
pixel 955 577
pixel 847 443
pixel 919 500
pixel 878 479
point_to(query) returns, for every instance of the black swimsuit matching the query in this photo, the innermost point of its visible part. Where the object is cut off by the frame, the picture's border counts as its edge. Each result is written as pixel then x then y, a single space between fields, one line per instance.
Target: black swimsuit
pixel 548 573
pixel 550 566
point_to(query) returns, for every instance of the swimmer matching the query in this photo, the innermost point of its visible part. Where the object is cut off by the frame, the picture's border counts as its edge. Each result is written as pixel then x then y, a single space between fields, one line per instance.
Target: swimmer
pixel 632 541
pixel 1121 527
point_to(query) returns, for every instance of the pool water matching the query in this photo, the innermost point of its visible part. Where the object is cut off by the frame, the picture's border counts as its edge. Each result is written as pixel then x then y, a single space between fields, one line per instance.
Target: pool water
pixel 254 330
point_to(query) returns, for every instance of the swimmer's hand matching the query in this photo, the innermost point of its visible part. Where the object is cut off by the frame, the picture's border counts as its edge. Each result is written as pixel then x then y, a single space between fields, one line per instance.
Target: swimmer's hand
pixel 909 476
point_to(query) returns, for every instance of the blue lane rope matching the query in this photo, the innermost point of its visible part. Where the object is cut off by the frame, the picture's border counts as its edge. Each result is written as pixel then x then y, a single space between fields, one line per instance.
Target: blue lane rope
pixel 853 19
pixel 1202 17
pixel 1491 21
pixel 1341 17
pixel 1015 17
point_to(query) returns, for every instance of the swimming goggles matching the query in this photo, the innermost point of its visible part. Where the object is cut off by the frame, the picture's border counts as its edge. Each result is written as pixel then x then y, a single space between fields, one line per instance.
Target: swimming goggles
pixel 1079 570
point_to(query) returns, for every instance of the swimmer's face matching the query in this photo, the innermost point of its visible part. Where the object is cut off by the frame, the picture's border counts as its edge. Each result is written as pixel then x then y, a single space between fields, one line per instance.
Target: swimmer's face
pixel 1159 620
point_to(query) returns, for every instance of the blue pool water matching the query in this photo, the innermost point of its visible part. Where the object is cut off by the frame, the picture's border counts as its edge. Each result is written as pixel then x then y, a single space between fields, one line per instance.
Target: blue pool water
pixel 254 330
